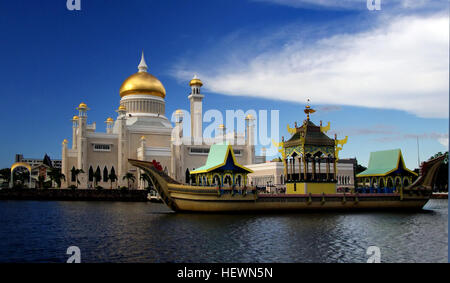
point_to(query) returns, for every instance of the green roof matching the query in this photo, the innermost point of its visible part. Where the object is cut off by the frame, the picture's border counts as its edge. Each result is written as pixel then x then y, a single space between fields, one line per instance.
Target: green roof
pixel 217 157
pixel 381 163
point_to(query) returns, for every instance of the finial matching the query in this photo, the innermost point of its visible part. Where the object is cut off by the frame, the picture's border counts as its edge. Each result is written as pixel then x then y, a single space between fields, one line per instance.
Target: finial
pixel 142 65
pixel 195 77
pixel 308 110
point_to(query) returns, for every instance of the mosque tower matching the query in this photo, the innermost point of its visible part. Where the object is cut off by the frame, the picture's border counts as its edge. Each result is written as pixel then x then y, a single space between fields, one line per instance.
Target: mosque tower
pixel 195 97
pixel 81 137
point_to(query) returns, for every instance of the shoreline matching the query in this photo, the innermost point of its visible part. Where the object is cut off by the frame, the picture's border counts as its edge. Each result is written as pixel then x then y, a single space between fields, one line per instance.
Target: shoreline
pixel 75 195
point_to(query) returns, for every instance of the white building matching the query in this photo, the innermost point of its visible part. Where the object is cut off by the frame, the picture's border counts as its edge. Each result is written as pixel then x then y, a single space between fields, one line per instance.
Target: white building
pixel 142 131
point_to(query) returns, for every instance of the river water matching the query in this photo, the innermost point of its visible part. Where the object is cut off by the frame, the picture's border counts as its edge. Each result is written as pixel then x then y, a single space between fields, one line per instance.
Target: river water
pixel 41 231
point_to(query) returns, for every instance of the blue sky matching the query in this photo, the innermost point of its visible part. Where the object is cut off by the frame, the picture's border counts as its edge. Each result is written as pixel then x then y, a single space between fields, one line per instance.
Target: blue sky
pixel 379 77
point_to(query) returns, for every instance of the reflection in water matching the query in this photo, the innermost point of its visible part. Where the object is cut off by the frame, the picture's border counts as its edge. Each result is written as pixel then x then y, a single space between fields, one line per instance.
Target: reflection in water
pixel 147 232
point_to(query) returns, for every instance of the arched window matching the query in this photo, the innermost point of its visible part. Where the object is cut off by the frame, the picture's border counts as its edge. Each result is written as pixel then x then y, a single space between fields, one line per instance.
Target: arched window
pixel 73 177
pixel 91 174
pixel 105 174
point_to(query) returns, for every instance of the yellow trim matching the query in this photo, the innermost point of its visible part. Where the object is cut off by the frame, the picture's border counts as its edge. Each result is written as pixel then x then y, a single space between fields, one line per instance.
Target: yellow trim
pixel 325 129
pixel 400 156
pixel 20 164
pixel 229 149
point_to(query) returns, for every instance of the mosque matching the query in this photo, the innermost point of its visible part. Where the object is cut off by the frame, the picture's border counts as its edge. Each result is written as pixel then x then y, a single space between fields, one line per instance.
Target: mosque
pixel 142 131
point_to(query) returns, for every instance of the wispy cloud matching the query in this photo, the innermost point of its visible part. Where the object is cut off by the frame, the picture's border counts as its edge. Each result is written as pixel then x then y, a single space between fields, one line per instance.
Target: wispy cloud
pixel 400 64
pixel 356 4
pixel 378 129
pixel 440 137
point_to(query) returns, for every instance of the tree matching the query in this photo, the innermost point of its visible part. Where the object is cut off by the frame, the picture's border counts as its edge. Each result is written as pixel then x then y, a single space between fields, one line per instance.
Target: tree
pixel 5 174
pixel 75 173
pixel 129 177
pixel 112 177
pixel 56 176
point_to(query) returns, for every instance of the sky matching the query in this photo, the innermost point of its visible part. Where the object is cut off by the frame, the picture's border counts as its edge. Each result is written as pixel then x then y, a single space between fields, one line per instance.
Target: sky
pixel 381 77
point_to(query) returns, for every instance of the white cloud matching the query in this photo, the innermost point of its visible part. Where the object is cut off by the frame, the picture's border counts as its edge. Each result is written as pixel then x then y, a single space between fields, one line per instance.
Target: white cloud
pixel 358 4
pixel 401 64
pixel 443 141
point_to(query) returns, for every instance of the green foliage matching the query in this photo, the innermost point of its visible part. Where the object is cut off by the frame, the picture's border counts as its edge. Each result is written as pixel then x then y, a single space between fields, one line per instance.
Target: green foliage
pixel 77 172
pixel 5 174
pixel 129 177
pixel 56 176
pixel 112 177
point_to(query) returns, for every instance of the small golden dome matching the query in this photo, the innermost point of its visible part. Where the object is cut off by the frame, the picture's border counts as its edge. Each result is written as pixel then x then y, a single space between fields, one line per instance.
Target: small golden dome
pixel 221 126
pixel 249 117
pixel 109 120
pixel 82 106
pixel 195 81
pixel 75 118
pixel 65 141
pixel 122 108
pixel 179 111
pixel 143 138
pixel 142 83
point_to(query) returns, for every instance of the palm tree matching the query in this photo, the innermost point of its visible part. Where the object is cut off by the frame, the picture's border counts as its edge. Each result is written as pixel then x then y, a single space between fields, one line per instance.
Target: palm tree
pixel 56 176
pixel 75 173
pixel 128 177
pixel 146 178
pixel 112 177
pixel 5 174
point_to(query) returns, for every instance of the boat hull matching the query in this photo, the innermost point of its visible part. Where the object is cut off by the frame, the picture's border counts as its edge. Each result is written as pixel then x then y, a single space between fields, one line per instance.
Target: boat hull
pixel 227 203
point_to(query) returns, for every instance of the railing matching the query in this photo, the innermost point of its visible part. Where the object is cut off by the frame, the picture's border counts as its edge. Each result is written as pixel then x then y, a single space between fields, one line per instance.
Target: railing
pixel 372 190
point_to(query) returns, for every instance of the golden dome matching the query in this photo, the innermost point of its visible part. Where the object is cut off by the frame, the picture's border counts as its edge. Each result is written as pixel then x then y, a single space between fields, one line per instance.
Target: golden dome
pixel 221 126
pixel 122 108
pixel 179 111
pixel 82 106
pixel 75 118
pixel 65 141
pixel 142 83
pixel 249 117
pixel 195 81
pixel 109 120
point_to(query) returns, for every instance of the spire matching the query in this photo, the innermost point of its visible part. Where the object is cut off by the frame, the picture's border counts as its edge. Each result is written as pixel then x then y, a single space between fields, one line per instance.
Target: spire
pixel 142 65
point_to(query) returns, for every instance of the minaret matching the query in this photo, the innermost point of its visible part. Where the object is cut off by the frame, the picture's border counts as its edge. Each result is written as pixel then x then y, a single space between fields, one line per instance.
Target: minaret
pixel 81 137
pixel 196 110
pixel 250 139
pixel 222 132
pixel 109 125
pixel 74 131
pixel 64 169
pixel 175 141
pixel 122 144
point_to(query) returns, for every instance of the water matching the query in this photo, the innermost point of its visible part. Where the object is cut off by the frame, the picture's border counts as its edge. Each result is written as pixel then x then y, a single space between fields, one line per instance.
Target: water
pixel 32 231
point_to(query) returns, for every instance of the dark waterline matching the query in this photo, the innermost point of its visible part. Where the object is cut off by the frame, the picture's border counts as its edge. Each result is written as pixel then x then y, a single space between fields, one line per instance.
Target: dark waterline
pixel 33 231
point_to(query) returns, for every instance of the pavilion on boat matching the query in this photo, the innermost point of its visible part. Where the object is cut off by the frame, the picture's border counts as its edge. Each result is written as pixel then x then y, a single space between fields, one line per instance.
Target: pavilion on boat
pixel 310 158
pixel 221 168
pixel 386 172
